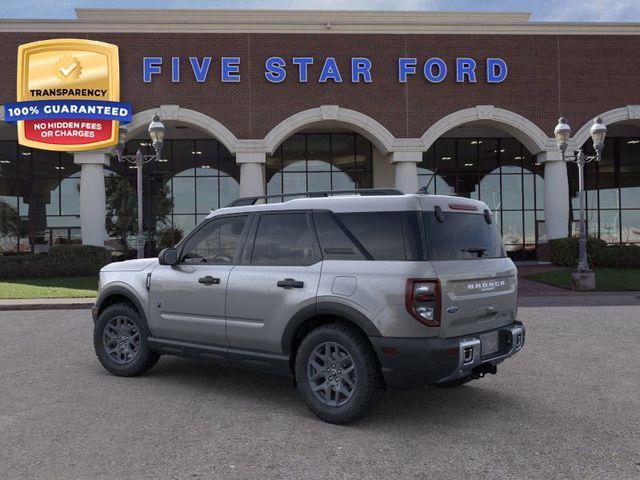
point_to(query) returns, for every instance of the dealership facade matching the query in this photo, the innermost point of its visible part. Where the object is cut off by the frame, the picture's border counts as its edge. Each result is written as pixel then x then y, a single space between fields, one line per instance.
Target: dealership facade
pixel 276 102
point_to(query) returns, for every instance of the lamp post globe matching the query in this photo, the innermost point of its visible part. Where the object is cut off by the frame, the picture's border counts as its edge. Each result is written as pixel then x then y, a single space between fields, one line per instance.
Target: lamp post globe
pixel 156 133
pixel 598 133
pixel 562 133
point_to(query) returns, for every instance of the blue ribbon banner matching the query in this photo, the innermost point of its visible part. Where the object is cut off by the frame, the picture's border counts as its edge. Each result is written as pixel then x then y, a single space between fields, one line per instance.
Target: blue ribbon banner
pixel 67 109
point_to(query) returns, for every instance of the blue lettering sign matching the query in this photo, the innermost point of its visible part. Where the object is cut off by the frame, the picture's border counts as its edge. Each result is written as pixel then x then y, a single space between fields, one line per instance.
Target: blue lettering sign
pixel 330 71
pixel 151 66
pixel 496 70
pixel 230 69
pixel 175 69
pixel 465 67
pixel 275 69
pixel 428 70
pixel 360 67
pixel 200 71
pixel 303 64
pixel 406 66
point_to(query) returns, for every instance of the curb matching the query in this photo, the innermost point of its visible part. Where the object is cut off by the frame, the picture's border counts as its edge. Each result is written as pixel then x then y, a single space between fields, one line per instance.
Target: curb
pixel 19 306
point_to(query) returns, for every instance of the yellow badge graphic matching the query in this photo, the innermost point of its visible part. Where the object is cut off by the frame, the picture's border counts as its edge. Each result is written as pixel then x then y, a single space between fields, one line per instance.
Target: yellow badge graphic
pixel 68 94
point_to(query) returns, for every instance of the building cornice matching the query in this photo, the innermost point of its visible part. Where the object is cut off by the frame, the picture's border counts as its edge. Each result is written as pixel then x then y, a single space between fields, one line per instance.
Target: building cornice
pixel 308 21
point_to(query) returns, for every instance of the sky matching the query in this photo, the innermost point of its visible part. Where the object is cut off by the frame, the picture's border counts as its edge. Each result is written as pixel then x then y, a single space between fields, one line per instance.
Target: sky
pixel 542 10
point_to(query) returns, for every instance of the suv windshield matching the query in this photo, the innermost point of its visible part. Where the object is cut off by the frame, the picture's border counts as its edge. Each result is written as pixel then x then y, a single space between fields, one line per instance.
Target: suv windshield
pixel 461 236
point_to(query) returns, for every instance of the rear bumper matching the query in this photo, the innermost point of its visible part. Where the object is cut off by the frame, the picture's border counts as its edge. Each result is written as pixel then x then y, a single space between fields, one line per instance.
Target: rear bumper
pixel 416 362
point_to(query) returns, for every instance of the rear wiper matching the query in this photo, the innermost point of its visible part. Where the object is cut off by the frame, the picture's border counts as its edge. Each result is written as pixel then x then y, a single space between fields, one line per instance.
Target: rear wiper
pixel 479 250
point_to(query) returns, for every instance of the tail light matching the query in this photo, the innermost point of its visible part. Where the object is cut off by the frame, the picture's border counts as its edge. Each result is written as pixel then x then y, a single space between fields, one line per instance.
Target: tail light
pixel 423 301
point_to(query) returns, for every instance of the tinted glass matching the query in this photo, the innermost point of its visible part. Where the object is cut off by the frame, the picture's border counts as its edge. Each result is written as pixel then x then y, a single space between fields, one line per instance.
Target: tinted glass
pixel 284 239
pixel 461 236
pixel 380 233
pixel 218 242
pixel 334 240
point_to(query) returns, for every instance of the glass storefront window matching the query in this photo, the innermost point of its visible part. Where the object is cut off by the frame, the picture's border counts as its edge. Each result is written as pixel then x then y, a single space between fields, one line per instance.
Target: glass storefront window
pixel 610 226
pixel 612 191
pixel 630 190
pixel 308 162
pixel 630 224
pixel 512 192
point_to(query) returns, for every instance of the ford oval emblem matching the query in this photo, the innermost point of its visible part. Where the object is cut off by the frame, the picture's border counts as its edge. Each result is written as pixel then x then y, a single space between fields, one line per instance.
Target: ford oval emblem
pixel 452 309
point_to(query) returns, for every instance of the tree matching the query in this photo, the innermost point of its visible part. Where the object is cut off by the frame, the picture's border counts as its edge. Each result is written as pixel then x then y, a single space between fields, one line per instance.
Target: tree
pixel 122 208
pixel 9 221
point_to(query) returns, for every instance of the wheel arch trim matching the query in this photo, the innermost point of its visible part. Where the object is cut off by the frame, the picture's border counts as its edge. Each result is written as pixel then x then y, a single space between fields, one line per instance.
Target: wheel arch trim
pixel 326 308
pixel 121 289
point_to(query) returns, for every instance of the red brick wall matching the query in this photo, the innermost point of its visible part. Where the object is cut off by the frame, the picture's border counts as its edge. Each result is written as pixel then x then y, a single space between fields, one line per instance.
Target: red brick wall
pixel 577 76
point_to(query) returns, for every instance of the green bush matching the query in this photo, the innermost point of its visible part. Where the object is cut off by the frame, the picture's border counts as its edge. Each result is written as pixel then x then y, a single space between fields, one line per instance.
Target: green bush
pixel 618 256
pixel 564 252
pixel 169 237
pixel 61 261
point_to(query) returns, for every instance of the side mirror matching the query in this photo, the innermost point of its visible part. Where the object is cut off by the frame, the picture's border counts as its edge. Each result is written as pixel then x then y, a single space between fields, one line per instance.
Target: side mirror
pixel 168 256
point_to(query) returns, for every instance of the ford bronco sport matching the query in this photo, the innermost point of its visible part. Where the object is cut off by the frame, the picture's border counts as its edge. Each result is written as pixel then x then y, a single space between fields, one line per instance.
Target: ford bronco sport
pixel 348 293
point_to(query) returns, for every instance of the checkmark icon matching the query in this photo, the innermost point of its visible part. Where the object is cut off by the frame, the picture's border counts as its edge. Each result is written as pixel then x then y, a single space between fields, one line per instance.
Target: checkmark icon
pixel 68 68
pixel 66 71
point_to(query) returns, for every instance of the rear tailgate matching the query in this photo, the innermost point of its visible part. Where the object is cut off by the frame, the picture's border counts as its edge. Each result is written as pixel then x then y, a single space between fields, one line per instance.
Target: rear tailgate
pixel 477 295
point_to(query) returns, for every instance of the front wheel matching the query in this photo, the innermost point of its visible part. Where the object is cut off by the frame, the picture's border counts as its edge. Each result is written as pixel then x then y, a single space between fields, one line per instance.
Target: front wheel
pixel 120 341
pixel 338 374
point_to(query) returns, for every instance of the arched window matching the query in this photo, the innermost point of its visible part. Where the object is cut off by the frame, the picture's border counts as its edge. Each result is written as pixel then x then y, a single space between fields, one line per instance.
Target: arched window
pixel 308 162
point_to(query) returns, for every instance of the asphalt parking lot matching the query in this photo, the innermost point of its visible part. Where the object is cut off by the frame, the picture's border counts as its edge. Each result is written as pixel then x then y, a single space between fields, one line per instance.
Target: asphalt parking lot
pixel 567 407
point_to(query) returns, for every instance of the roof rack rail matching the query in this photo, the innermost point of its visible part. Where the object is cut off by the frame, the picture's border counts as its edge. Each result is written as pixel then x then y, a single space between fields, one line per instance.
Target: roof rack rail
pixel 245 201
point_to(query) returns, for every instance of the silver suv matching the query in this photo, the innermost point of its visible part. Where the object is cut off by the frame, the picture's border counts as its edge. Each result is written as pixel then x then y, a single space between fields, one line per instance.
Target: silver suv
pixel 347 293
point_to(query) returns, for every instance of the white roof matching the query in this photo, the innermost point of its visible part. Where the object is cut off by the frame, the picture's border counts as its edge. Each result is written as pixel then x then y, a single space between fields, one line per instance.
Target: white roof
pixel 364 203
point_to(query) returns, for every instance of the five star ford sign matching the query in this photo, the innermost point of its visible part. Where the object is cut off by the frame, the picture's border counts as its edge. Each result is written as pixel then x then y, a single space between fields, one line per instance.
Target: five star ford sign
pixel 68 95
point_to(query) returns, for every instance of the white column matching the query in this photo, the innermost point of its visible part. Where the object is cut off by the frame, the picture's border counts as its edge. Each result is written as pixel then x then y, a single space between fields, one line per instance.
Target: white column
pixel 93 208
pixel 251 173
pixel 556 194
pixel 406 166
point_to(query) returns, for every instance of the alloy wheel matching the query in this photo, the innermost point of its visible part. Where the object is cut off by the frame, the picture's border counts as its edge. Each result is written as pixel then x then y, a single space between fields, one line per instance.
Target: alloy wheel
pixel 121 339
pixel 331 373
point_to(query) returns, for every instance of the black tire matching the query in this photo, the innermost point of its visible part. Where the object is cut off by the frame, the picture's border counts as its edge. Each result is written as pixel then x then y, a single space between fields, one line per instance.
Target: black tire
pixel 368 388
pixel 455 383
pixel 130 364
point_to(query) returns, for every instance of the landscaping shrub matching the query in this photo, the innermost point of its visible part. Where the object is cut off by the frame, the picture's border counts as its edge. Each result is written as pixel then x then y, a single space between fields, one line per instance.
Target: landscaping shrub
pixel 169 237
pixel 618 256
pixel 564 252
pixel 61 261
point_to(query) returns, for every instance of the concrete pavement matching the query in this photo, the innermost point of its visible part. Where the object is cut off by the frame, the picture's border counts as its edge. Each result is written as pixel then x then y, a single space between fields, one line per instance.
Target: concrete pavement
pixel 567 407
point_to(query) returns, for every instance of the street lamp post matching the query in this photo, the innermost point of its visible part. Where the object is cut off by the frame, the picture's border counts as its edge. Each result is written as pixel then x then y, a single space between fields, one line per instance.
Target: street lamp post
pixel 156 133
pixel 598 132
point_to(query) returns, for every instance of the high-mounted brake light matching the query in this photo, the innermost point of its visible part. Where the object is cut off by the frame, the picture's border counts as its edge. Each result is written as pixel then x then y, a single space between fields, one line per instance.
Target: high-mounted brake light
pixel 463 206
pixel 422 298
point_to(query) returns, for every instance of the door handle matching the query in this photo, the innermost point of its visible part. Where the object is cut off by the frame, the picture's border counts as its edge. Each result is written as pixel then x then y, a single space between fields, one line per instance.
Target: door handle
pixel 209 280
pixel 290 283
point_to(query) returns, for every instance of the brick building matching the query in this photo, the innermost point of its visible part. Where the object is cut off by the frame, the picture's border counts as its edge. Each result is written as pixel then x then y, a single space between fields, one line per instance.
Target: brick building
pixel 288 101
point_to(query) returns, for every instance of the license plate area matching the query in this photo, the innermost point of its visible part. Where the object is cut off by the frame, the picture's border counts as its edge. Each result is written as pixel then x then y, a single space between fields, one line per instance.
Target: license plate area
pixel 490 344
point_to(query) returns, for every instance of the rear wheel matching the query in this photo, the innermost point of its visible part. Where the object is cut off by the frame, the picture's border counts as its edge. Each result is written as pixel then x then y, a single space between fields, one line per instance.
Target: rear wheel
pixel 338 374
pixel 120 341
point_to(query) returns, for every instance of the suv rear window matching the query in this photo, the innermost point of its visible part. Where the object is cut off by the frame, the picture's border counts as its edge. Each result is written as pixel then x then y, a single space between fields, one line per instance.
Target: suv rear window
pixel 461 236
pixel 384 235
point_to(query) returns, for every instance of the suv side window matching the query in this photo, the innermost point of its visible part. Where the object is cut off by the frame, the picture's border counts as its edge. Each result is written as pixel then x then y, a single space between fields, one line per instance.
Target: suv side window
pixel 336 241
pixel 217 242
pixel 284 239
pixel 380 233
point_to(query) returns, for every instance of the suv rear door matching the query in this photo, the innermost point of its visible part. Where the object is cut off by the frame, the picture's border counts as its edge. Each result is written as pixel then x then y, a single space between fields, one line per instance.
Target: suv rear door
pixel 477 280
pixel 278 276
